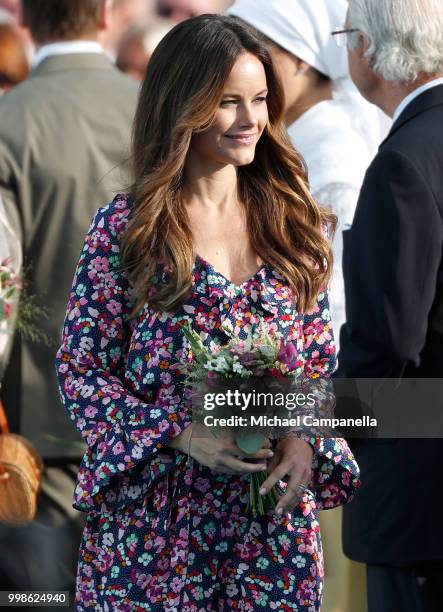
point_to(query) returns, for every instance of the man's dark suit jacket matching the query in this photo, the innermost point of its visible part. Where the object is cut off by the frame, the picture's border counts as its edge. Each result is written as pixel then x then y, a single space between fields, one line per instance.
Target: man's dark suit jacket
pixel 393 272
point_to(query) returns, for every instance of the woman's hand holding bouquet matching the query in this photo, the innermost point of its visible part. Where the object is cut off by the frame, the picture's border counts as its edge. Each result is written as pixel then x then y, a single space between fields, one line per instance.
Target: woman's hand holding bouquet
pixel 293 458
pixel 221 454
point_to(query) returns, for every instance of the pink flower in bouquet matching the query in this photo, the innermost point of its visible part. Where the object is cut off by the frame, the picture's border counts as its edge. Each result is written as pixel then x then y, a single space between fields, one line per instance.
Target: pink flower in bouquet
pixel 8 310
pixel 288 355
pixel 248 361
pixel 239 348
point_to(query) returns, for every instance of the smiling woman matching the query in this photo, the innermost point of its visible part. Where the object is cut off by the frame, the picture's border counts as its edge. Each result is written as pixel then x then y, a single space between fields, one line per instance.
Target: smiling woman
pixel 188 112
pixel 216 180
pixel 241 118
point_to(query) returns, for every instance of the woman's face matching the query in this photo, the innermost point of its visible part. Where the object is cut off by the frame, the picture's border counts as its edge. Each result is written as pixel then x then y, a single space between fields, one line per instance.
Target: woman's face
pixel 241 117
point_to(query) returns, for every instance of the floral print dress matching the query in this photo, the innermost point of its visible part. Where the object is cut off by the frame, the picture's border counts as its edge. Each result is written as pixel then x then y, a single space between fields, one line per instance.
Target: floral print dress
pixel 165 533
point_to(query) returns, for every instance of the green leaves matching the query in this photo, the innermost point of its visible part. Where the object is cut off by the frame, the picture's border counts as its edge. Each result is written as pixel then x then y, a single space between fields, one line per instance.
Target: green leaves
pixel 199 351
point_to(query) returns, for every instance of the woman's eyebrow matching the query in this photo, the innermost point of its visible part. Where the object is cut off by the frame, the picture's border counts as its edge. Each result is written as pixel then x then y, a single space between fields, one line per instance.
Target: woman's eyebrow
pixel 231 95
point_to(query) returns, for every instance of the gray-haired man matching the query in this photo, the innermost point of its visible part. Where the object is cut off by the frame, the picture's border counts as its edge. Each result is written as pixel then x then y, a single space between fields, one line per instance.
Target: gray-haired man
pixel 394 297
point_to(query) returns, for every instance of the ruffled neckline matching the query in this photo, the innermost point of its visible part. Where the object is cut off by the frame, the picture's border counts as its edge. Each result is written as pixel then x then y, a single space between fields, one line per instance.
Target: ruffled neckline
pixel 261 274
pixel 265 290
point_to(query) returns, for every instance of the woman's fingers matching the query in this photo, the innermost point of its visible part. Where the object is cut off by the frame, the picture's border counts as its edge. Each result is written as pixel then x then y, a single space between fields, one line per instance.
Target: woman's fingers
pixel 293 494
pixel 274 461
pixel 267 443
pixel 293 457
pixel 223 455
pixel 278 473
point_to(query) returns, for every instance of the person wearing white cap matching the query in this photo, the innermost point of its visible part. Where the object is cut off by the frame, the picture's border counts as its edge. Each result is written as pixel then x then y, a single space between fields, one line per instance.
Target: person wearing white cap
pixel 336 131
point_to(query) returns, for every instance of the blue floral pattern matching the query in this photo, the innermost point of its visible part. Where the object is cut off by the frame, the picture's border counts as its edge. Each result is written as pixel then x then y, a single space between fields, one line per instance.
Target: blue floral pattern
pixel 164 533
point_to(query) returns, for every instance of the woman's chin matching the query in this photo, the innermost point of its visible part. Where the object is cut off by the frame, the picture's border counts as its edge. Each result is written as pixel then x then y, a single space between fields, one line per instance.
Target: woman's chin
pixel 247 157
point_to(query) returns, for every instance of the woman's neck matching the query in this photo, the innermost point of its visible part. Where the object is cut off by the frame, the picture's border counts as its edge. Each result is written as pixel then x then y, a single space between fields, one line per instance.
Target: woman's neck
pixel 209 185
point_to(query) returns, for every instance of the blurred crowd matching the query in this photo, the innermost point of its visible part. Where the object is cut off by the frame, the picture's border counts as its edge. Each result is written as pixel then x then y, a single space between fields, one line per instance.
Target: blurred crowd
pixel 135 28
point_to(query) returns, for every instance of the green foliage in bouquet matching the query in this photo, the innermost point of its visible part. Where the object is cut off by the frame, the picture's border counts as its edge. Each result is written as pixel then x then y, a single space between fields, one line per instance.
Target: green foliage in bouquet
pixel 262 354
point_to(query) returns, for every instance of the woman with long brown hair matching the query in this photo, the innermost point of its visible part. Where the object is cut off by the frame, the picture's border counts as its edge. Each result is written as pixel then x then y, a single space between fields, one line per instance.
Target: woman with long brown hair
pixel 220 231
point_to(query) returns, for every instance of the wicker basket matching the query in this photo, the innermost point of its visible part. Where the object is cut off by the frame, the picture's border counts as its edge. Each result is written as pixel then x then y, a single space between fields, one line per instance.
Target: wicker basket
pixel 20 477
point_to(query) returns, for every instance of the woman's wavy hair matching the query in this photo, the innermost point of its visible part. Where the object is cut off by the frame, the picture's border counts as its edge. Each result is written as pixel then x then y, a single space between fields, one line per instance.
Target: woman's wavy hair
pixel 179 97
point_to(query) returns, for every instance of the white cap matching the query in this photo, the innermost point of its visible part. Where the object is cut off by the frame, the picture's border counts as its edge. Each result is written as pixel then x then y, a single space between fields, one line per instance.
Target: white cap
pixel 302 27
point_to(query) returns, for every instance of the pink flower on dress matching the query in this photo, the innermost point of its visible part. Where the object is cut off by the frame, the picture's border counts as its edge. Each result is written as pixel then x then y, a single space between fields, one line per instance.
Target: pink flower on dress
pixel 114 307
pixel 118 448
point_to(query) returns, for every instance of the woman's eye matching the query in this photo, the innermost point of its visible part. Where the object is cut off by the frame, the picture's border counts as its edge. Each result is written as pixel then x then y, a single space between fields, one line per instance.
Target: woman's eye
pixel 260 99
pixel 228 102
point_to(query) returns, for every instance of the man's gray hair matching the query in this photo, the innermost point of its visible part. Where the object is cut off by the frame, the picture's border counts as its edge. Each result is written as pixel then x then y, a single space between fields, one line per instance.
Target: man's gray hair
pixel 405 36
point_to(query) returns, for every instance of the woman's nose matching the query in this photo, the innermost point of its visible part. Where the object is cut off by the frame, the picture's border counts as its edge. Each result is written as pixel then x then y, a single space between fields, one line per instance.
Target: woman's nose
pixel 247 116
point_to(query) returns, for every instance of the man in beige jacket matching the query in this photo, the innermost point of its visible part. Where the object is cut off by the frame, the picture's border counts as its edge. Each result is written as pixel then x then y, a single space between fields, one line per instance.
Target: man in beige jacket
pixel 64 142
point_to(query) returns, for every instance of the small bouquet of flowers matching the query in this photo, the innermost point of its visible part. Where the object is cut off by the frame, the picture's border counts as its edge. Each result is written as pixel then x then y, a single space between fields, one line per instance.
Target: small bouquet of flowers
pixel 10 287
pixel 19 311
pixel 264 361
pixel 10 284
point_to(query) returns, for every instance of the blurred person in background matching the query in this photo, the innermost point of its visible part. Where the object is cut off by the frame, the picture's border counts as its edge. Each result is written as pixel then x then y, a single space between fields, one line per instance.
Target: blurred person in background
pixel 179 10
pixel 122 16
pixel 14 65
pixel 138 44
pixel 12 7
pixel 62 132
pixel 10 14
pixel 393 272
pixel 334 129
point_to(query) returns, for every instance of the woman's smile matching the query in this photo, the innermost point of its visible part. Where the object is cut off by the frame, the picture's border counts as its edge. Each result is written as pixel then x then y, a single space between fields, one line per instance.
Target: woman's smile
pixel 243 139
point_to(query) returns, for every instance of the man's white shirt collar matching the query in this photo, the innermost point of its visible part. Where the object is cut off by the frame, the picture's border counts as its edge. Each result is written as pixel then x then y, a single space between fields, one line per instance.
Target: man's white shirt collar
pixel 414 94
pixel 66 48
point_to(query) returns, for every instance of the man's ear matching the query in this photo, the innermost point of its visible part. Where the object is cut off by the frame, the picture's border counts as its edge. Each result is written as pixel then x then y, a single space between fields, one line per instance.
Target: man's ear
pixel 363 50
pixel 105 14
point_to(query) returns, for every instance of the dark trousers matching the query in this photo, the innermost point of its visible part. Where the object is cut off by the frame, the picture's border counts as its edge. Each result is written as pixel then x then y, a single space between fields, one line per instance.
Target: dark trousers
pixel 43 555
pixel 393 589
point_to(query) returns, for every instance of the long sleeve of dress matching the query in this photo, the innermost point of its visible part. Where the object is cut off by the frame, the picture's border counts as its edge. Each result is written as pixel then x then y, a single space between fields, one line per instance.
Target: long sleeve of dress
pixel 125 431
pixel 335 472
